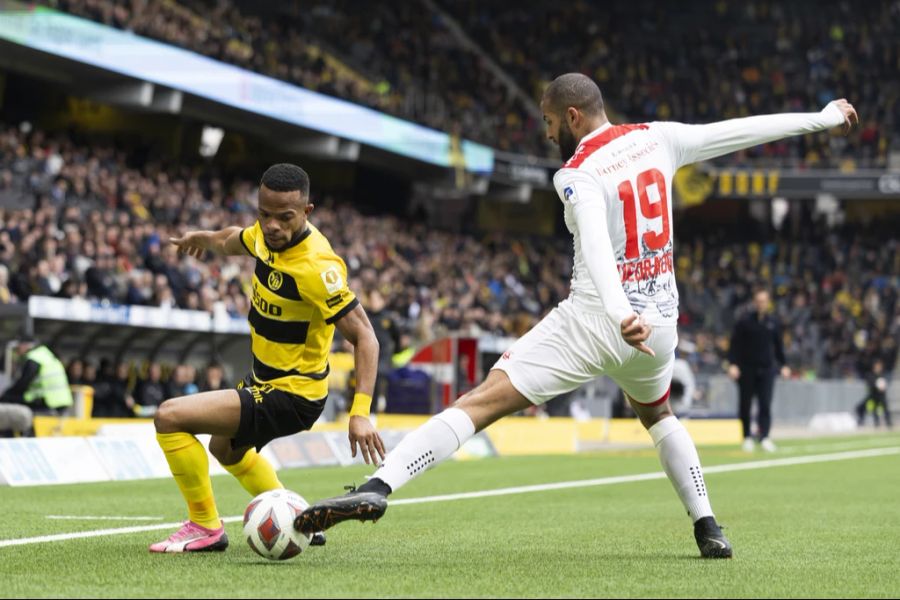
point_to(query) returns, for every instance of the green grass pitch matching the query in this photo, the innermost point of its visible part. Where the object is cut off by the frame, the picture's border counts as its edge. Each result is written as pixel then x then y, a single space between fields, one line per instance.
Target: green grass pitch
pixel 823 529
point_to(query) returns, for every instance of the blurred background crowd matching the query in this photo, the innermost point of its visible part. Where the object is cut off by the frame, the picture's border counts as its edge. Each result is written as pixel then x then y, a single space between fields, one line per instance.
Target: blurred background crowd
pixel 707 61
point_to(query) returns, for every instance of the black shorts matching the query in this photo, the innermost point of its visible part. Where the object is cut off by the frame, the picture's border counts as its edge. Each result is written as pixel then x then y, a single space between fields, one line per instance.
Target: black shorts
pixel 267 413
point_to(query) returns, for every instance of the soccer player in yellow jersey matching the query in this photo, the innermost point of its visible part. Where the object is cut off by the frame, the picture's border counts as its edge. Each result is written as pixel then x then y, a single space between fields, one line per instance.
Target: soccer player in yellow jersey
pixel 299 296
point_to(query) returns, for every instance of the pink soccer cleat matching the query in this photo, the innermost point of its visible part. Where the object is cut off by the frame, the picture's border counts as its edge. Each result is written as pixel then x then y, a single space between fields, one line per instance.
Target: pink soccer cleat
pixel 193 538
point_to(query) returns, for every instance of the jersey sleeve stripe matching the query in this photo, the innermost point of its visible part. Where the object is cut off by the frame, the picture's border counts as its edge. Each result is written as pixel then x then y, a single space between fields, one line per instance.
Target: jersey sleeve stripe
pixel 243 243
pixel 280 332
pixel 342 313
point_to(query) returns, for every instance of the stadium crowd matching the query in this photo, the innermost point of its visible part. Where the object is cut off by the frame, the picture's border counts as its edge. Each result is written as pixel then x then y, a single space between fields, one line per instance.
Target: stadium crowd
pixel 709 60
pixel 78 221
pixel 398 58
pixel 654 63
pixel 127 389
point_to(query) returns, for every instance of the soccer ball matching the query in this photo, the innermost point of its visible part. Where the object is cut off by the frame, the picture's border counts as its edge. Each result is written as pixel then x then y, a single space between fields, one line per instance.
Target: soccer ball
pixel 269 524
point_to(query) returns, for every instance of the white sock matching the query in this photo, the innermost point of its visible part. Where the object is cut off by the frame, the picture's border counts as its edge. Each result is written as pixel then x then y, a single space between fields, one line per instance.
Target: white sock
pixel 425 447
pixel 681 463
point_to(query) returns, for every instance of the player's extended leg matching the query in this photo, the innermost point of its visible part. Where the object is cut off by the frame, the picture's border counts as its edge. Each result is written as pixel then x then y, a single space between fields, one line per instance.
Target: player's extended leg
pixel 433 442
pixel 177 421
pixel 681 463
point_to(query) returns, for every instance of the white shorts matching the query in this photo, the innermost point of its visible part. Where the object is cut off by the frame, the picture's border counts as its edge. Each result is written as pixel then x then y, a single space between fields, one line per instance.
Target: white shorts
pixel 571 346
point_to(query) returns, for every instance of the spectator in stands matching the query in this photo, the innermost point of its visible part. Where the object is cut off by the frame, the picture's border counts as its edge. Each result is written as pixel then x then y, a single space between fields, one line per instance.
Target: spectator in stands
pixel 41 384
pixel 75 371
pixel 150 392
pixel 190 380
pixel 181 382
pixel 90 373
pixel 214 378
pixel 875 400
pixel 6 296
pixel 112 396
pixel 384 324
pixel 754 354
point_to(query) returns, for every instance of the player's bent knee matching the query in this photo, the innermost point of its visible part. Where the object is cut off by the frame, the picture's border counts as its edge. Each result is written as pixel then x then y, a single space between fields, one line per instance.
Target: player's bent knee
pixel 651 414
pixel 166 418
pixel 220 448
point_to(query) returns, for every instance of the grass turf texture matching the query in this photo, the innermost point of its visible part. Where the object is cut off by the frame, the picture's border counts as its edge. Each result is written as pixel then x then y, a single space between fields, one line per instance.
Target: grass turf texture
pixel 814 530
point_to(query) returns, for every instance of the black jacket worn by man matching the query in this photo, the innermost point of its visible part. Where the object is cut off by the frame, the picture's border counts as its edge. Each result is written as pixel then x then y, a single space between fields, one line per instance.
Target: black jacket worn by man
pixel 756 343
pixel 757 351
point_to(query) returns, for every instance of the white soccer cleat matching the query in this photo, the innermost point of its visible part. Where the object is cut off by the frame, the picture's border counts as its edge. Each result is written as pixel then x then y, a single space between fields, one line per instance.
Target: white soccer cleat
pixel 768 445
pixel 747 446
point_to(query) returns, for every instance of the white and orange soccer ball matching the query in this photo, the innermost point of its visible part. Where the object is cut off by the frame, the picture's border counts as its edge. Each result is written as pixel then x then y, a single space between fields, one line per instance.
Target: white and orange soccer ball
pixel 269 524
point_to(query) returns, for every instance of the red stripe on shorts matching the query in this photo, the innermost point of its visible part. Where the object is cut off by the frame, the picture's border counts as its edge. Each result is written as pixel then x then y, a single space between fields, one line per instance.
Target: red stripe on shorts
pixel 658 402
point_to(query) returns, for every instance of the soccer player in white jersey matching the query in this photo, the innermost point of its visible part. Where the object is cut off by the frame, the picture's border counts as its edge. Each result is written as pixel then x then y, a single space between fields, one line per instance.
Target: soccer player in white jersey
pixel 620 317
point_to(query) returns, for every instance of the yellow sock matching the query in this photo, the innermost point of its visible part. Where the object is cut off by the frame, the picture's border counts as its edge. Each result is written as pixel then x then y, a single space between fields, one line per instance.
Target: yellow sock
pixel 255 473
pixel 190 467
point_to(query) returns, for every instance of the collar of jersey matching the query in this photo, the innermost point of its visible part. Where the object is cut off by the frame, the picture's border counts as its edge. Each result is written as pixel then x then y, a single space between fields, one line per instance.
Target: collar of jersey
pixel 297 240
pixel 596 132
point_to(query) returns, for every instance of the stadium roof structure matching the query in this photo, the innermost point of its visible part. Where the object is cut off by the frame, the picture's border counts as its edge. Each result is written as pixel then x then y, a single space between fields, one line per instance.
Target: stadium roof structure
pixel 81 328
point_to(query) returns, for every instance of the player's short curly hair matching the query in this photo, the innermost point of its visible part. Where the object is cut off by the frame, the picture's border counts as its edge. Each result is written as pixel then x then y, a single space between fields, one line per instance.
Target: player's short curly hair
pixel 285 177
pixel 576 90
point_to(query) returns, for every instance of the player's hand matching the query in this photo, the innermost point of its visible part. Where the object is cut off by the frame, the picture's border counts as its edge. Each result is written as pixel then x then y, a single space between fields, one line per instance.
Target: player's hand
pixel 363 433
pixel 635 332
pixel 850 117
pixel 192 243
pixel 734 372
pixel 785 371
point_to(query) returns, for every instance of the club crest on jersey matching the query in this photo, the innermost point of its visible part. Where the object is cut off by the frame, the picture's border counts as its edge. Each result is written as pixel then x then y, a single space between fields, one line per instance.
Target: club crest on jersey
pixel 275 280
pixel 569 193
pixel 332 279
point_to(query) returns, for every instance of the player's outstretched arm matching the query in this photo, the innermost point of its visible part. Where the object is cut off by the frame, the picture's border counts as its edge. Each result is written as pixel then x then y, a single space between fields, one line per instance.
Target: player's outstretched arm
pixel 356 329
pixel 226 241
pixel 694 143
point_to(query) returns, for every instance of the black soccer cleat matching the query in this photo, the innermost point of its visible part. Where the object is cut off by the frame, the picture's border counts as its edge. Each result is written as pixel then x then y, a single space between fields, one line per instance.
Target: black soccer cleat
pixel 355 505
pixel 317 539
pixel 710 539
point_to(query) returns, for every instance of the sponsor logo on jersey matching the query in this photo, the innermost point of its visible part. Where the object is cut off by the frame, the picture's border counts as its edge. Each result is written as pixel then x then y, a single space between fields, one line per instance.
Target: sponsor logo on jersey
pixel 275 280
pixel 647 268
pixel 569 193
pixel 332 279
pixel 263 305
pixel 334 301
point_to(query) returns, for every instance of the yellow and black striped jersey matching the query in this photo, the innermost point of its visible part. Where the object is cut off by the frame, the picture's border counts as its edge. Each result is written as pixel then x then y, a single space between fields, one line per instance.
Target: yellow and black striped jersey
pixel 298 294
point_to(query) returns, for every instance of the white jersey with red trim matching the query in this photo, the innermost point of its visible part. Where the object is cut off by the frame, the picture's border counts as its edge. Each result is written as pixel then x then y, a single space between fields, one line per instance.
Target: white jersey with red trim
pixel 617 196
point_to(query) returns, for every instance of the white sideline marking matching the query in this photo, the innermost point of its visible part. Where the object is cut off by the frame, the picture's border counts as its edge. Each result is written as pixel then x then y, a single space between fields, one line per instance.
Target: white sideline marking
pixel 870 443
pixel 563 485
pixel 743 466
pixel 90 518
